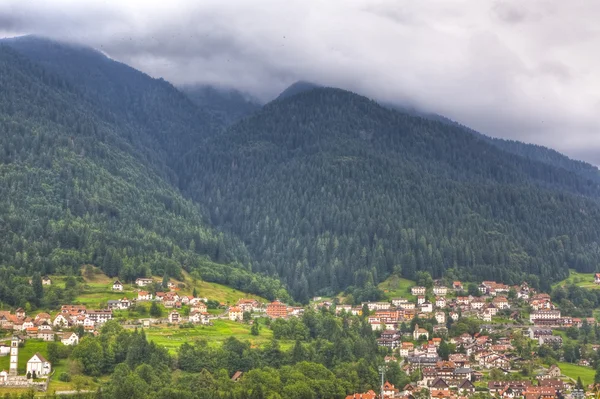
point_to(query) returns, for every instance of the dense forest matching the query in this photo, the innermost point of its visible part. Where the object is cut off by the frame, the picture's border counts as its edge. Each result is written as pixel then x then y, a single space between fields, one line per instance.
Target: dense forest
pixel 228 105
pixel 321 188
pixel 330 190
pixel 74 190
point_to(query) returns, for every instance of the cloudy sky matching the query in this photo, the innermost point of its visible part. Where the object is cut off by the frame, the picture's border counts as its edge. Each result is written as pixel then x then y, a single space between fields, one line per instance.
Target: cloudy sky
pixel 527 70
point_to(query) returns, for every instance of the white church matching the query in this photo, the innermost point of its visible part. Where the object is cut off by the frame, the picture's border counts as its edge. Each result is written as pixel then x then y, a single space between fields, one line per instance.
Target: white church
pixel 37 366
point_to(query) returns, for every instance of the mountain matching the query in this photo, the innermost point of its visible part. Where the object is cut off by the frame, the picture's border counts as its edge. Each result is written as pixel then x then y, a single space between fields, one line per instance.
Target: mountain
pixel 297 88
pixel 330 190
pixel 158 121
pixel 77 186
pixel 531 151
pixel 228 105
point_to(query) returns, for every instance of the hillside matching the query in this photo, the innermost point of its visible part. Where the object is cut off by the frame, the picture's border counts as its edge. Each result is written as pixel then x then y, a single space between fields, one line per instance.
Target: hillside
pixel 330 190
pixel 157 121
pixel 228 105
pixel 74 189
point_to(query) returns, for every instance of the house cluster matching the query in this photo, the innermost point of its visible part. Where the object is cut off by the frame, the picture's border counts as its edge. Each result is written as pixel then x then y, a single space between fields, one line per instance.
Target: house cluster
pixel 549 386
pixel 79 315
pixel 438 389
pixel 38 327
pixel 389 315
pixel 245 305
pixel 546 315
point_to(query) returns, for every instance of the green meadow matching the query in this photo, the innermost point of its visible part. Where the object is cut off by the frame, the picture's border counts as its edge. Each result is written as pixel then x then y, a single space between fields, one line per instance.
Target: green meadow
pixel 172 337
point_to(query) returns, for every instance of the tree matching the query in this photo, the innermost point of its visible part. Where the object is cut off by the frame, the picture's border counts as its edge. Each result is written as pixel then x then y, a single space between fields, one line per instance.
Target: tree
pixel 38 288
pixel 579 384
pixel 155 310
pixel 255 329
pixel 444 350
pixel 53 353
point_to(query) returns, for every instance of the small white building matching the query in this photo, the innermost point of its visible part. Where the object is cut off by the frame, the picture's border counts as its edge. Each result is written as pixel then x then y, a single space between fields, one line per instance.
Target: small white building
pixel 3 376
pixel 174 317
pixel 38 365
pixel 418 290
pixel 60 321
pixel 440 290
pixel 144 282
pixel 144 296
pixel 440 317
pixel 117 286
pixel 69 339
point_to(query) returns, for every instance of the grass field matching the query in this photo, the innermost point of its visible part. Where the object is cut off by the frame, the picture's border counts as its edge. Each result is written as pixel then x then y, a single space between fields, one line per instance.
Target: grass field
pixel 584 280
pixel 395 287
pixel 173 337
pixel 573 371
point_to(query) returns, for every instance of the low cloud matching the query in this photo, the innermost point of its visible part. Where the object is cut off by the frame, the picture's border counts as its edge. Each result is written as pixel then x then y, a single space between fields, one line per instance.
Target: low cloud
pixel 514 69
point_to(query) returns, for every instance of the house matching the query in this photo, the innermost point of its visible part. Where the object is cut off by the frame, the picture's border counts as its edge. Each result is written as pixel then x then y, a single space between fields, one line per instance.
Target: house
pixel 235 313
pixel 38 365
pixel 3 376
pixel 544 315
pixel 199 317
pixel 46 335
pixel 501 302
pixel 367 395
pixel 440 317
pixel 389 390
pixel 42 318
pixel 419 332
pixel 539 393
pixel 174 317
pixel 406 349
pixel 454 316
pixel 418 290
pixel 440 290
pixel 200 307
pixel 597 278
pixel 69 339
pixel 237 375
pixel 276 309
pixel 421 299
pixel 457 286
pixel 252 305
pixel 144 296
pixel 46 280
pixel 552 340
pixel 99 316
pixel 144 282
pixel 60 321
pixel 440 302
pixel 117 286
pixel 554 371
pixel 426 307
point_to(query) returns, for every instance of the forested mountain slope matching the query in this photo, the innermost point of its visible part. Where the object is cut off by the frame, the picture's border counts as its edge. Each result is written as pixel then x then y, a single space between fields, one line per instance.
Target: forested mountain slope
pixel 329 190
pixel 228 105
pixel 531 151
pixel 157 120
pixel 73 190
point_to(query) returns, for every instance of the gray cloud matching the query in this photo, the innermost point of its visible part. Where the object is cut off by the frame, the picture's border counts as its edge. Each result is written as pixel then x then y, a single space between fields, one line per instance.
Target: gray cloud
pixel 514 69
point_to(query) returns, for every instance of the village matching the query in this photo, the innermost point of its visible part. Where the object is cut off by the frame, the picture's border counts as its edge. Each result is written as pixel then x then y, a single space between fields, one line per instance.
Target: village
pixel 413 330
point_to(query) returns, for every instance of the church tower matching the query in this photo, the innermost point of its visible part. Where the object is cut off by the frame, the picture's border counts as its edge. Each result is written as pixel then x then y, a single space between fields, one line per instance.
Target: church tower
pixel 14 356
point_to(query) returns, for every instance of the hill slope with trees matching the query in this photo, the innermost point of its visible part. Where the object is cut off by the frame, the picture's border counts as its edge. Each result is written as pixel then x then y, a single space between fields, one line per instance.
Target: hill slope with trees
pixel 74 190
pixel 330 190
